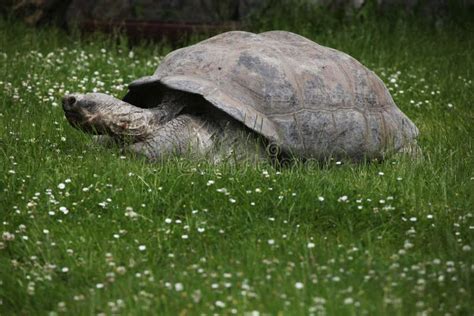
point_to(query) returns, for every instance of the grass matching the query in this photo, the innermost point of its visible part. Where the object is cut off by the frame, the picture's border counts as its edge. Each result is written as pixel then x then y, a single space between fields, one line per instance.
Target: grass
pixel 87 231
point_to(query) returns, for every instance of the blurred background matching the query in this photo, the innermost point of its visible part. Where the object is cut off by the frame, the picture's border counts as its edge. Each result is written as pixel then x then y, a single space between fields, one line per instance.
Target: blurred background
pixel 172 19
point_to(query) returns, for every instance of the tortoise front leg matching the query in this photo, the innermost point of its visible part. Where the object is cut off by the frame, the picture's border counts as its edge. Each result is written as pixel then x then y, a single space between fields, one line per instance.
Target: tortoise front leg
pixel 184 134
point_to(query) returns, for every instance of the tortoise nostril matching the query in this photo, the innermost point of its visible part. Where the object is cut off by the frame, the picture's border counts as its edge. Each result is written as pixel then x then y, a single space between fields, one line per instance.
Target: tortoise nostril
pixel 71 100
pixel 68 102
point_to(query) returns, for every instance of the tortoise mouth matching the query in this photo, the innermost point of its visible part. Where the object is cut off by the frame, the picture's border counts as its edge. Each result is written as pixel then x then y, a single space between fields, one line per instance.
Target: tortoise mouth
pixel 81 122
pixel 73 116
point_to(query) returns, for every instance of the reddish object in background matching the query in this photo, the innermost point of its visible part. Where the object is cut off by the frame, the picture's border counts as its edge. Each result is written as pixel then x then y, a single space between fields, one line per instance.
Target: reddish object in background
pixel 157 30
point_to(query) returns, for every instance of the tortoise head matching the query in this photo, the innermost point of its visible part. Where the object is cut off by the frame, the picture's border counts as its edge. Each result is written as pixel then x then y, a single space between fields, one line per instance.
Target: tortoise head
pixel 91 112
pixel 99 113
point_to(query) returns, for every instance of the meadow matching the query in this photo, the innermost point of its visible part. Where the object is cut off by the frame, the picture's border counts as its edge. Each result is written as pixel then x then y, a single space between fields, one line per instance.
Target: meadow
pixel 87 230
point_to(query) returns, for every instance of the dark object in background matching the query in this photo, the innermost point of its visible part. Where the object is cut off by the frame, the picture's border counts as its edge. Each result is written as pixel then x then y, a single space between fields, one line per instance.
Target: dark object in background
pixel 76 12
pixel 173 18
pixel 137 18
pixel 156 19
pixel 35 12
pixel 194 11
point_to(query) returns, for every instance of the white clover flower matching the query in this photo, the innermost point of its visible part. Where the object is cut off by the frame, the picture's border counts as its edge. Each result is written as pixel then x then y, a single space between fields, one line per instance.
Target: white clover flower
pixel 407 244
pixel 129 212
pixel 311 245
pixel 142 247
pixel 343 199
pixel 7 236
pixel 299 285
pixel 121 270
pixel 220 304
pixel 64 210
pixel 222 190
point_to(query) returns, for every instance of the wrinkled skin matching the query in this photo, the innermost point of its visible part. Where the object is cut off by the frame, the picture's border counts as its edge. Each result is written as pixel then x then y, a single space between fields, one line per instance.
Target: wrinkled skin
pixel 156 133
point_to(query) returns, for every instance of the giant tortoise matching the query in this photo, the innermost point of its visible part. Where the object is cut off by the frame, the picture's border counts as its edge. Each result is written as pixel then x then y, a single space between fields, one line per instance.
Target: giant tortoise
pixel 295 97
